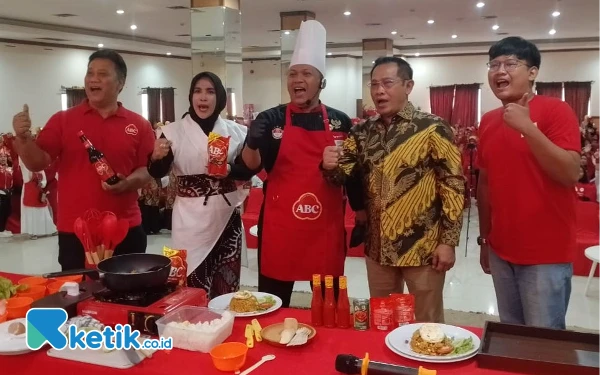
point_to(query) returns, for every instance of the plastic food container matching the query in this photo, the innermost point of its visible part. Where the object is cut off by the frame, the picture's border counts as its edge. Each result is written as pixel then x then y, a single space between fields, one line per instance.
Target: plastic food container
pixel 34 291
pixel 185 326
pixel 230 356
pixel 54 286
pixel 17 307
pixel 33 280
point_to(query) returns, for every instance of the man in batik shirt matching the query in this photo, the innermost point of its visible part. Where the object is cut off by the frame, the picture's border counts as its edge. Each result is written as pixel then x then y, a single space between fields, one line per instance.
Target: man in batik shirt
pixel 414 191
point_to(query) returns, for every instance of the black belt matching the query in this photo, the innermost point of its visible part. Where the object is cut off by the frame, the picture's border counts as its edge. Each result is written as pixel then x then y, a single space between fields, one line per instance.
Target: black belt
pixel 201 185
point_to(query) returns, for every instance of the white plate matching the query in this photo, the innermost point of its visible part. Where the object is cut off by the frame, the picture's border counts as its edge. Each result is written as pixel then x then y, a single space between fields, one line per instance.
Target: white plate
pixel 399 342
pixel 9 344
pixel 222 303
pixel 440 360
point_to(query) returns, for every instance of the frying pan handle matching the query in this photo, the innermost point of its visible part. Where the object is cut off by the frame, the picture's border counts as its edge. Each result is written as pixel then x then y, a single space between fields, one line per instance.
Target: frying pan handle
pixel 93 274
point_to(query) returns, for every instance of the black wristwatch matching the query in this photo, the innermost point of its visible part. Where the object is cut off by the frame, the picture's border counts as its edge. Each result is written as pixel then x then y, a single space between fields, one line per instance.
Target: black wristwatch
pixel 482 241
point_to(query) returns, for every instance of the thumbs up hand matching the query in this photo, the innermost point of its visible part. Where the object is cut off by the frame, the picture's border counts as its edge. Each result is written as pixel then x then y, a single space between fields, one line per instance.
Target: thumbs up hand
pixel 22 123
pixel 331 157
pixel 516 115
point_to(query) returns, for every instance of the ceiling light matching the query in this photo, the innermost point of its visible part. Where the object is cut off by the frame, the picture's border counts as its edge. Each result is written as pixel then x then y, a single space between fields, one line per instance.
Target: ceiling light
pixel 133 27
pixel 373 61
pixel 430 22
pixel 556 13
pixel 329 53
pixel 347 13
pixel 394 32
pixel 168 53
pixel 417 54
pixel 495 27
pixel 120 11
pixel 454 36
pixel 552 32
pixel 100 45
pixel 480 4
pixel 287 33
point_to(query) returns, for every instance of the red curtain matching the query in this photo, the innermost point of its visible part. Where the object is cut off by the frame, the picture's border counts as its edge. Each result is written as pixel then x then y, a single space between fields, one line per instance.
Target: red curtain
pixel 552 89
pixel 167 99
pixel 441 99
pixel 153 105
pixel 75 96
pixel 466 97
pixel 577 95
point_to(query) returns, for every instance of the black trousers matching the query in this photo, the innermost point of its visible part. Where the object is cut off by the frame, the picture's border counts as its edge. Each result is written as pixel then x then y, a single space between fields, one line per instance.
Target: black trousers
pixel 281 288
pixel 5 207
pixel 71 254
pixel 150 218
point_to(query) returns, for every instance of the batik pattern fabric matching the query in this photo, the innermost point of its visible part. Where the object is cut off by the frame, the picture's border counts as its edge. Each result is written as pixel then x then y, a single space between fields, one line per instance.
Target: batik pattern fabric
pixel 150 194
pixel 413 185
pixel 220 272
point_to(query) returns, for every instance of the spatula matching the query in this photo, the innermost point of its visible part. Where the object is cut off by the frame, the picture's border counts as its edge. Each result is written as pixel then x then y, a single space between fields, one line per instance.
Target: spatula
pixel 108 227
pixel 80 230
pixel 119 235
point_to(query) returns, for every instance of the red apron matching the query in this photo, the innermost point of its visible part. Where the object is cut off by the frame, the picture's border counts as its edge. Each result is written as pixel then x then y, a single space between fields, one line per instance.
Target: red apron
pixel 32 193
pixel 303 226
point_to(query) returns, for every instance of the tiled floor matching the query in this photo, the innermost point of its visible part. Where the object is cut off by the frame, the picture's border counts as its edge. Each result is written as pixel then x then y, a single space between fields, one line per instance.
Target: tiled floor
pixel 467 287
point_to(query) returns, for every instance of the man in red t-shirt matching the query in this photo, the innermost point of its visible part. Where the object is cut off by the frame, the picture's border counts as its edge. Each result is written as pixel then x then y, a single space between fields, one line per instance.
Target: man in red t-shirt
pixel 125 138
pixel 529 163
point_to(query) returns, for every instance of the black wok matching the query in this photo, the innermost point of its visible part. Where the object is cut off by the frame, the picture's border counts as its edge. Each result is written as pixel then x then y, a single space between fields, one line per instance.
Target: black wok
pixel 127 273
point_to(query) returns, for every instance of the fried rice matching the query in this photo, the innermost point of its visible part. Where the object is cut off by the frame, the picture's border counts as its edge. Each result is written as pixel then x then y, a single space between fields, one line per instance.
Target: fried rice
pixel 418 345
pixel 244 305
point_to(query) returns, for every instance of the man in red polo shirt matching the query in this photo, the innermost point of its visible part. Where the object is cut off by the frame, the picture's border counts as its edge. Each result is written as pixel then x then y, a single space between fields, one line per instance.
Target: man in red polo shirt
pixel 529 163
pixel 125 138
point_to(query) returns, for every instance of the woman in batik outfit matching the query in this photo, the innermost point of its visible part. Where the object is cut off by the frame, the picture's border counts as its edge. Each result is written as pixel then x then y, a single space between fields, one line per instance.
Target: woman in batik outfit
pixel 206 215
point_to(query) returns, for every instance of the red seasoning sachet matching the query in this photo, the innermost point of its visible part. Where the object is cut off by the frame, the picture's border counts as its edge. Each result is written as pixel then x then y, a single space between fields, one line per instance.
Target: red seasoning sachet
pixel 178 274
pixel 218 147
pixel 382 313
pixel 404 308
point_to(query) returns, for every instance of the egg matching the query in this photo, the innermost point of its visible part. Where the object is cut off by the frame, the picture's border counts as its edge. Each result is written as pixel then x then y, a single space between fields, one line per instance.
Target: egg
pixel 431 333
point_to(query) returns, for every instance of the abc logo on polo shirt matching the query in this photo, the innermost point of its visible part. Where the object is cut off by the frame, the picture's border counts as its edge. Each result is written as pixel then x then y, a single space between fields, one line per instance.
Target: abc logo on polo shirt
pixel 131 129
pixel 307 207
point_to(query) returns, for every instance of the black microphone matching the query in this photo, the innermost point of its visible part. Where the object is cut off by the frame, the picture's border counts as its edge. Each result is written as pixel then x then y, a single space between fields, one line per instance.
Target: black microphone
pixel 349 364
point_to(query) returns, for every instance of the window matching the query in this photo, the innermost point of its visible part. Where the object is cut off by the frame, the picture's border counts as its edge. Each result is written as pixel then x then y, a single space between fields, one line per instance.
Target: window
pixel 479 106
pixel 158 104
pixel 63 101
pixel 145 105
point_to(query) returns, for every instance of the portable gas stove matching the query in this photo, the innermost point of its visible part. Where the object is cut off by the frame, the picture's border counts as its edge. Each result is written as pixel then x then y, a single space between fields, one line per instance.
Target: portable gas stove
pixel 142 309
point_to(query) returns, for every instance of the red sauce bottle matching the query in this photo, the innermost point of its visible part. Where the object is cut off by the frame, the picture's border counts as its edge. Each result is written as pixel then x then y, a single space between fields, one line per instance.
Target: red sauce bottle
pixel 316 305
pixel 104 170
pixel 329 306
pixel 343 305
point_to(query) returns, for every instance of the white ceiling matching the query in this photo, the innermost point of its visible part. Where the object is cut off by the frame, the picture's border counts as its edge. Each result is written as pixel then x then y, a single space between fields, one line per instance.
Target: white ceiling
pixel 96 21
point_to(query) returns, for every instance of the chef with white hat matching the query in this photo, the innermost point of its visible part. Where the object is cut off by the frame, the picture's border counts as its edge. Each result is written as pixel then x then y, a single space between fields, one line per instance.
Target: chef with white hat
pixel 301 225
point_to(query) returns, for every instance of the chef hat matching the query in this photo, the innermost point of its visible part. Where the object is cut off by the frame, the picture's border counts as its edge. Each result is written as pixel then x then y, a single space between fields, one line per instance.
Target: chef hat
pixel 311 46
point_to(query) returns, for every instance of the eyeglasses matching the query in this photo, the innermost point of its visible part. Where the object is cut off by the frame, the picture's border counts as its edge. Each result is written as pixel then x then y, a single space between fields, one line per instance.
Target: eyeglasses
pixel 386 83
pixel 509 65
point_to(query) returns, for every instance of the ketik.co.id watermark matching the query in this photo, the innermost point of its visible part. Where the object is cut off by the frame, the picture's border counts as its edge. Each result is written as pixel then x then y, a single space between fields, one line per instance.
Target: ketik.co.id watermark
pixel 44 325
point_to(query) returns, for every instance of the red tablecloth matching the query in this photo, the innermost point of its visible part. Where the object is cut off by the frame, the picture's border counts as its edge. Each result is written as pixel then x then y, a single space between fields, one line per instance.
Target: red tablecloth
pixel 316 358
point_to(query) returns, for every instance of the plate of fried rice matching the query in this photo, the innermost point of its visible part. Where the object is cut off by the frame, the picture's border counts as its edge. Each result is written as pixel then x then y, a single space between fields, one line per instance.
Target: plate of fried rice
pixel 431 342
pixel 246 303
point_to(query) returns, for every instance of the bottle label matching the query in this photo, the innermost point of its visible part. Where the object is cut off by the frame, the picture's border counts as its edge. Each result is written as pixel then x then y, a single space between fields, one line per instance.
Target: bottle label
pixel 343 282
pixel 316 280
pixel 328 281
pixel 103 169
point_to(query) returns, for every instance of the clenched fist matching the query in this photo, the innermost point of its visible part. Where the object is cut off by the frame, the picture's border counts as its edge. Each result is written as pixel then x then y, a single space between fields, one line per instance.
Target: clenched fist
pixel 22 123
pixel 516 115
pixel 256 134
pixel 331 157
pixel 161 149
